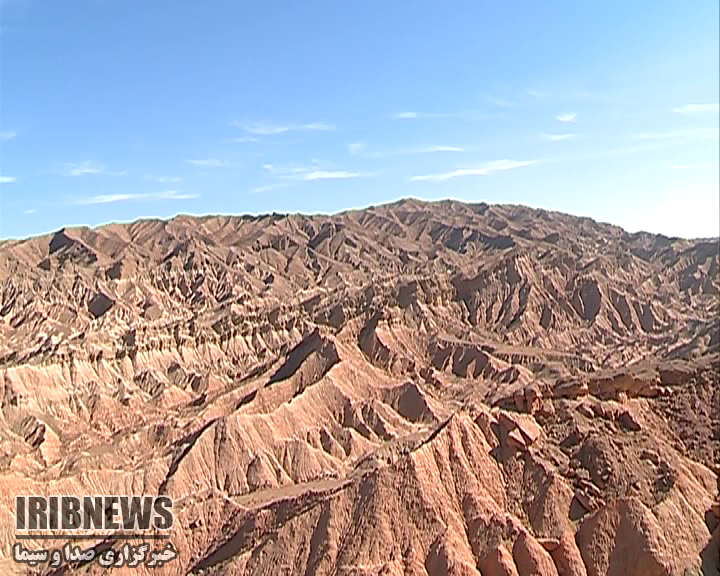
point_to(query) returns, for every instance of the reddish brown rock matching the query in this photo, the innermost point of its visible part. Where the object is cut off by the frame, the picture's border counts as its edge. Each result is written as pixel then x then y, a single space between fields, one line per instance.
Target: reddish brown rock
pixel 412 388
pixel 531 558
pixel 549 544
pixel 498 562
pixel 567 557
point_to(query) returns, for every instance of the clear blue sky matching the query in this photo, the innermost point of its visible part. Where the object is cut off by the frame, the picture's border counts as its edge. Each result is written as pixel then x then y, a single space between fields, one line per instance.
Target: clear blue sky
pixel 111 110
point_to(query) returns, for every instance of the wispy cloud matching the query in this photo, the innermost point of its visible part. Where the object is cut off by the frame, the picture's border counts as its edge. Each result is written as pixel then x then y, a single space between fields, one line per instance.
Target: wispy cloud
pixel 29 211
pixel 571 94
pixel 7 135
pixel 558 137
pixel 431 150
pixel 112 198
pixel 650 141
pixel 693 166
pixel 207 163
pixel 361 149
pixel 269 129
pixel 697 108
pixel 7 179
pixel 566 117
pixel 503 103
pixel 310 173
pixel 328 175
pixel 405 115
pixel 483 170
pixel 357 148
pixel 269 187
pixel 107 198
pixel 173 195
pixel 691 134
pixel 87 168
pixel 600 96
pixel 242 140
pixel 167 179
pixel 625 151
pixel 464 114
pixel 286 170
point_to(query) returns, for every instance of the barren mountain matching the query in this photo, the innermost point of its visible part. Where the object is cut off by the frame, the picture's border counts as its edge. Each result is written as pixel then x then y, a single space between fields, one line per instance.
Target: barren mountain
pixel 415 388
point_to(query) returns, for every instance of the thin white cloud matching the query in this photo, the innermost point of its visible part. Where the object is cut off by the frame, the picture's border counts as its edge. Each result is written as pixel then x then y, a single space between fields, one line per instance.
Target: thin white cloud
pixel 361 149
pixel 357 148
pixel 692 134
pixel 207 163
pixel 484 170
pixel 7 179
pixel 310 173
pixel 88 168
pixel 7 135
pixel 502 103
pixel 693 166
pixel 697 108
pixel 328 175
pixel 316 127
pixel 268 187
pixel 465 114
pixel 558 137
pixel 432 149
pixel 405 115
pixel 112 198
pixel 268 129
pixel 29 211
pixel 167 179
pixel 574 94
pixel 626 151
pixel 173 195
pixel 107 198
pixel 566 117
pixel 287 170
pixel 295 169
pixel 242 140
pixel 650 141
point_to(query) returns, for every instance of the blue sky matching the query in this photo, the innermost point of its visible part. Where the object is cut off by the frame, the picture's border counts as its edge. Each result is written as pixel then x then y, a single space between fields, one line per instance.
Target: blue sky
pixel 111 110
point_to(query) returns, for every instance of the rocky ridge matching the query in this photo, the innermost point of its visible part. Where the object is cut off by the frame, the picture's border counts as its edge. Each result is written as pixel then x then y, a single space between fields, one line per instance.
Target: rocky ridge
pixel 414 388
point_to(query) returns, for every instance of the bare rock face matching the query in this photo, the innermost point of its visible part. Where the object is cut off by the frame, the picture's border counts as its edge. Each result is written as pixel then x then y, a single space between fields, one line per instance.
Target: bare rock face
pixel 567 557
pixel 99 305
pixel 416 388
pixel 531 558
pixel 498 562
pixel 31 430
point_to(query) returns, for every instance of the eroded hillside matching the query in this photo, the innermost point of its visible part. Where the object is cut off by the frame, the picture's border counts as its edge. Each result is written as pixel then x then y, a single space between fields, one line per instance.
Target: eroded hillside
pixel 415 388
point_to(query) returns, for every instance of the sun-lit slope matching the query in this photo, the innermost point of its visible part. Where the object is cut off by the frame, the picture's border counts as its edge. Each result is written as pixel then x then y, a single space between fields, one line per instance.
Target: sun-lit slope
pixel 414 388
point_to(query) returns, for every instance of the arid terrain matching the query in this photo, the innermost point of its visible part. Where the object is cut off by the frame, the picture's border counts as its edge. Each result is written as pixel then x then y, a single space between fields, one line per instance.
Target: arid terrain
pixel 414 388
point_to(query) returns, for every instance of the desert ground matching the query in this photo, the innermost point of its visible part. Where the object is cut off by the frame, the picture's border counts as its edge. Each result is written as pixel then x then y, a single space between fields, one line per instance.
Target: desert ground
pixel 421 388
